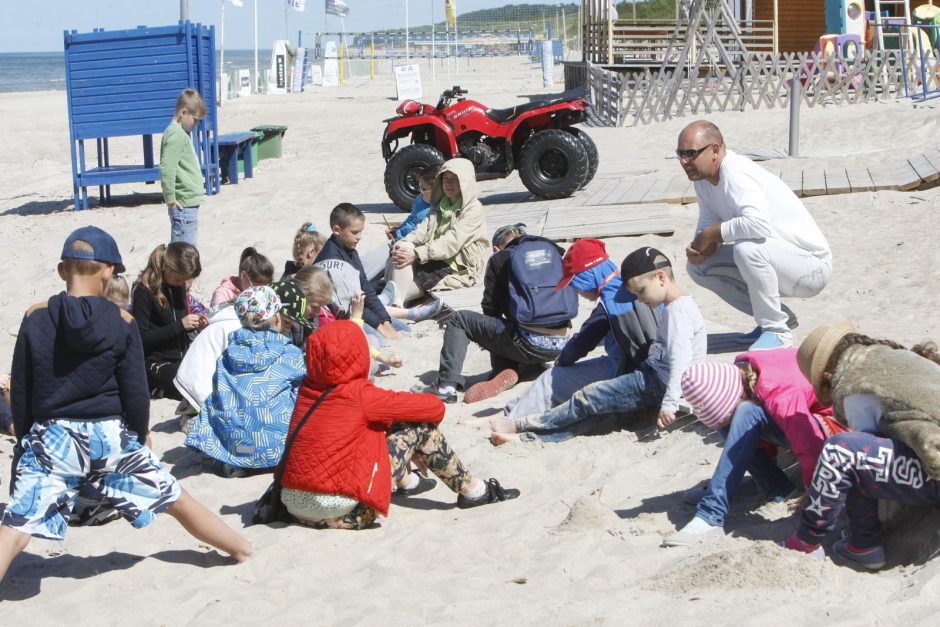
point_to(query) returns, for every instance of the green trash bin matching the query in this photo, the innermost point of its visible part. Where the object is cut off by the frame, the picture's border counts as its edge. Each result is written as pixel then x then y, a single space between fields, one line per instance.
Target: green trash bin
pixel 269 146
pixel 254 151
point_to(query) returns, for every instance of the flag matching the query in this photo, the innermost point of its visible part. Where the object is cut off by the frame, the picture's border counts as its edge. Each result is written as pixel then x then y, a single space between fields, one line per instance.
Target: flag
pixel 450 9
pixel 297 5
pixel 238 3
pixel 339 8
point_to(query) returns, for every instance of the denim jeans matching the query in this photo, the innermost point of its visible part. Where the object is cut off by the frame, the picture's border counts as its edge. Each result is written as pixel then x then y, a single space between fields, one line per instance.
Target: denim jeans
pixel 556 385
pixel 507 349
pixel 184 225
pixel 854 470
pixel 640 389
pixel 749 424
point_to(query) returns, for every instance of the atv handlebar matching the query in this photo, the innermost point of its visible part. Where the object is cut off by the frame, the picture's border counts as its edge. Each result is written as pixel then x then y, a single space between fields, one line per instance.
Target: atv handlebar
pixel 449 94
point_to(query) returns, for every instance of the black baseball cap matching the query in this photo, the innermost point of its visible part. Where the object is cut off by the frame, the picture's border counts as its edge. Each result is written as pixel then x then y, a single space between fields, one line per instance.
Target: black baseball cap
pixel 641 261
pixel 103 247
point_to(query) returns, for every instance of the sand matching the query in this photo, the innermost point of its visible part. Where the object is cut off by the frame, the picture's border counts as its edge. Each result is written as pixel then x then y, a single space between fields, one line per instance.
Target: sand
pixel 581 546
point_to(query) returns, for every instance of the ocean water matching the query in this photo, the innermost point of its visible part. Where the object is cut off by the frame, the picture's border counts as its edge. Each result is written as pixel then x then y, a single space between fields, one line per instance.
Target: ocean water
pixel 41 71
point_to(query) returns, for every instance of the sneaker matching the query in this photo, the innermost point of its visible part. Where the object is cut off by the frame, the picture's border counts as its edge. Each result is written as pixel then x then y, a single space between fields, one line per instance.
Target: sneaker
pixel 231 472
pixel 693 496
pixel 424 484
pixel 794 543
pixel 783 498
pixel 90 513
pixel 769 340
pixel 872 558
pixel 494 494
pixel 444 394
pixel 753 336
pixel 426 312
pixel 488 389
pixel 388 294
pixel 696 531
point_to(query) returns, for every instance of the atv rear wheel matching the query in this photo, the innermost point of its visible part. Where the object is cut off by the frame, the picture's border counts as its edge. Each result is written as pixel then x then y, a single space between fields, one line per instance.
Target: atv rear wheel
pixel 591 148
pixel 401 172
pixel 553 164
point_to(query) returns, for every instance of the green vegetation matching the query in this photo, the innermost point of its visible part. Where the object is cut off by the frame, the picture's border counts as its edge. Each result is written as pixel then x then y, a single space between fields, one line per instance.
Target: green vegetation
pixel 651 9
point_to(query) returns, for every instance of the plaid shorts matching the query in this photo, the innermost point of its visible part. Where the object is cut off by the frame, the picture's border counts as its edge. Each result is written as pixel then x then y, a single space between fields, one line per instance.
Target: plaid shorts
pixel 59 456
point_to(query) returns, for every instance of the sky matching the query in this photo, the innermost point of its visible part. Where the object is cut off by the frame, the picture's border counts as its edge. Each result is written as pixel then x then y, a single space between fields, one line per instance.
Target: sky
pixel 37 25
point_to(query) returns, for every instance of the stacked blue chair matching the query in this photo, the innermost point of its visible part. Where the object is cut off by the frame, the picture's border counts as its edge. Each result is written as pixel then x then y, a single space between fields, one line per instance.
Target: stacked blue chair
pixel 125 83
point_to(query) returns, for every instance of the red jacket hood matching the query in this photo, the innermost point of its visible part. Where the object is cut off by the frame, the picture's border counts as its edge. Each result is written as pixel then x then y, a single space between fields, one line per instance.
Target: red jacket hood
pixel 337 353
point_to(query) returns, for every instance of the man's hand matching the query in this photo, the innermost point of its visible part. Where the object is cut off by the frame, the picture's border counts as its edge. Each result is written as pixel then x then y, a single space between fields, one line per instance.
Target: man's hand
pixel 704 245
pixel 388 331
pixel 665 418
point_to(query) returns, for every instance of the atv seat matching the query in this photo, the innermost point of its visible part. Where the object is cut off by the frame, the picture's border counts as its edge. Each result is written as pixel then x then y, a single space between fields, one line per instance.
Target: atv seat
pixel 503 116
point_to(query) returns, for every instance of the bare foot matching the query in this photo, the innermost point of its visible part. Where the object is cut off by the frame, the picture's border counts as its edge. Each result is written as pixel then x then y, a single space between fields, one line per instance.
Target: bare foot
pixel 498 439
pixel 501 425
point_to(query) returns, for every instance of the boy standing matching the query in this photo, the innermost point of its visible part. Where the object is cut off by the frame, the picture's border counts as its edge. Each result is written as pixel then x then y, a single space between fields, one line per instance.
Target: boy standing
pixel 180 174
pixel 347 222
pixel 681 341
pixel 81 413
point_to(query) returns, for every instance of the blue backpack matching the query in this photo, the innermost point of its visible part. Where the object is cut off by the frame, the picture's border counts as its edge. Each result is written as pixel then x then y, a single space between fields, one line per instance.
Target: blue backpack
pixel 534 270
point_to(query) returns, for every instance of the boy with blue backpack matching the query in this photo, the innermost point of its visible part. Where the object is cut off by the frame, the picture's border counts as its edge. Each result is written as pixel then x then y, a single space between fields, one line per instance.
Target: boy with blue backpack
pixel 525 321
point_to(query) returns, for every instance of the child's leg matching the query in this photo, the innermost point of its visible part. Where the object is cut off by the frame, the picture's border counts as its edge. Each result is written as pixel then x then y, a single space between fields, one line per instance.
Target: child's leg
pixel 427 443
pixel 206 526
pixel 12 543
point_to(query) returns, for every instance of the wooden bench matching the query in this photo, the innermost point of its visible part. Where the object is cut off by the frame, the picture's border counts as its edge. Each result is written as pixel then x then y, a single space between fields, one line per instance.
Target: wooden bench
pixel 232 148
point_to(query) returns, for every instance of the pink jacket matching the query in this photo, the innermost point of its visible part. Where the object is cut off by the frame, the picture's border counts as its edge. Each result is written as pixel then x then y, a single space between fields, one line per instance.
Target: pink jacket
pixel 788 399
pixel 227 291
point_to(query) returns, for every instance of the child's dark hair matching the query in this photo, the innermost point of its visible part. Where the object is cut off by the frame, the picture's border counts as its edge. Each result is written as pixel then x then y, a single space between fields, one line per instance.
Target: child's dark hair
pixel 259 268
pixel 429 174
pixel 307 236
pixel 927 350
pixel 344 214
pixel 179 257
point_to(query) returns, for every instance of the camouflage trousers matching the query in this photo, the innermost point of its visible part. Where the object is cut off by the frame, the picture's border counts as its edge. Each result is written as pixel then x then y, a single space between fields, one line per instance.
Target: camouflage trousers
pixel 406 441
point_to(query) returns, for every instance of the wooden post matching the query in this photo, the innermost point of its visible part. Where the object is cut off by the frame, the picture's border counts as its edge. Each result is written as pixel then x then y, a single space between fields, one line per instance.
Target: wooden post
pixel 776 27
pixel 610 34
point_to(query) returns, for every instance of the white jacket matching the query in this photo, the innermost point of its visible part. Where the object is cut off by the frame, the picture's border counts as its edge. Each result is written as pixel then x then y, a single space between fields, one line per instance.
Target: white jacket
pixel 194 377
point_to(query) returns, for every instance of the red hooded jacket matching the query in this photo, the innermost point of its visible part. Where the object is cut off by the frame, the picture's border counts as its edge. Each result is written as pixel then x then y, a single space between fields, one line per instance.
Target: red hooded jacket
pixel 342 447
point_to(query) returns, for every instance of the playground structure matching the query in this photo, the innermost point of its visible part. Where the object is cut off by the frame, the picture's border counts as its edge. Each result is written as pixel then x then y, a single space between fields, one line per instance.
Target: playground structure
pixel 705 64
pixel 125 83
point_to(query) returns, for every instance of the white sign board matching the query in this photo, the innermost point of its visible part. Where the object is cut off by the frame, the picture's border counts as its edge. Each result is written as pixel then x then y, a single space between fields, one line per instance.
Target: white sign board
pixel 277 78
pixel 316 74
pixel 408 82
pixel 331 65
pixel 244 83
pixel 300 67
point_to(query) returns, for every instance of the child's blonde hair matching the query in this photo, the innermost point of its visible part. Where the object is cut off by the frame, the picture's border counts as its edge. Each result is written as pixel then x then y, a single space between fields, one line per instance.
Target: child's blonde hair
pixel 307 236
pixel 189 100
pixel 118 292
pixel 179 257
pixel 315 283
pixel 250 321
pixel 81 267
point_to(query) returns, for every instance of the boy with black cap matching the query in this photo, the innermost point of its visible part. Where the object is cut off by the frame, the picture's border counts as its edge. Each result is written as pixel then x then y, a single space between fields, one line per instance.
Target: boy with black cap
pixel 81 413
pixel 681 341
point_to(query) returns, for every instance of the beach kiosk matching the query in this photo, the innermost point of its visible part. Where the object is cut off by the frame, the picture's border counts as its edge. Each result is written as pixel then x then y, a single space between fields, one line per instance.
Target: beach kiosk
pixel 125 83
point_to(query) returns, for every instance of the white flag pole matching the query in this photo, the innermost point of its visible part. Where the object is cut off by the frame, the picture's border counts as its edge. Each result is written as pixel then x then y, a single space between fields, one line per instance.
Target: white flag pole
pixel 407 34
pixel 222 93
pixel 433 53
pixel 456 50
pixel 257 76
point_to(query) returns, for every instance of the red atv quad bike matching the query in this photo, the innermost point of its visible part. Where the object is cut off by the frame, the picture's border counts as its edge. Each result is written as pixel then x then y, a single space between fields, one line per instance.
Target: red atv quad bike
pixel 554 159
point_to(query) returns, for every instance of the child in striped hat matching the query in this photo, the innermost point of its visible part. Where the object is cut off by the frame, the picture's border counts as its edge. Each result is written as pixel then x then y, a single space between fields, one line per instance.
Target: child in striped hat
pixel 762 397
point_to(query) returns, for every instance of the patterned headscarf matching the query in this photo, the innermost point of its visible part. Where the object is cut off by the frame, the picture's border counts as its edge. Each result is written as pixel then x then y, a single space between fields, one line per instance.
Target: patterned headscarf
pixel 261 300
pixel 293 302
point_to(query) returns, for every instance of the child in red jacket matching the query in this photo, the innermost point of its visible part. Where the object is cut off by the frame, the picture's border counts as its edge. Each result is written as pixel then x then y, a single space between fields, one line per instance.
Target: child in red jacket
pixel 339 472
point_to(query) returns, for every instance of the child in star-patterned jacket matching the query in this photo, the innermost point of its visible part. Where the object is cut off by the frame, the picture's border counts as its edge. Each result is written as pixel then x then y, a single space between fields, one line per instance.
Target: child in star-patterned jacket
pixel 890 399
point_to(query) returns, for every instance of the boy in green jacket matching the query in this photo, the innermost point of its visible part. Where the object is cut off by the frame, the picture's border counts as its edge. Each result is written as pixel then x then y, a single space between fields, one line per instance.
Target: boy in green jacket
pixel 180 174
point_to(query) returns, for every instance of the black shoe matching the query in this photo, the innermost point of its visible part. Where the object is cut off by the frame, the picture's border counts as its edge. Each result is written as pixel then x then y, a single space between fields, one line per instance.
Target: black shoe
pixel 494 494
pixel 436 391
pixel 424 485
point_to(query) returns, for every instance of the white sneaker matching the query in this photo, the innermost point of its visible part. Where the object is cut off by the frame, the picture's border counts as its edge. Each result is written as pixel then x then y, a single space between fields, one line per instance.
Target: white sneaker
pixel 696 531
pixel 770 340
pixel 387 297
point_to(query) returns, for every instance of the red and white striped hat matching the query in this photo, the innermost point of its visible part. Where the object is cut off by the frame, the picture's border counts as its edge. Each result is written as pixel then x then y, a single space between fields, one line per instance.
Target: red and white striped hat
pixel 713 390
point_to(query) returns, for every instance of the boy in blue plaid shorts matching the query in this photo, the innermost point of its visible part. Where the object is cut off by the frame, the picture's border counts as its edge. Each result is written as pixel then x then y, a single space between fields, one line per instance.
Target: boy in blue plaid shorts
pixel 81 413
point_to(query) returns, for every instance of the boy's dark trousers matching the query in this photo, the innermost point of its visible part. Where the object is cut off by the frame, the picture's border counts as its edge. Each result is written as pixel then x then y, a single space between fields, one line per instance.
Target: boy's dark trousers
pixel 506 348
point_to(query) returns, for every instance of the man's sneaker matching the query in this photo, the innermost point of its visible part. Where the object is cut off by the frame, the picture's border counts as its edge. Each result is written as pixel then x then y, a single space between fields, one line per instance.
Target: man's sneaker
pixel 387 297
pixel 445 394
pixel 424 484
pixel 494 494
pixel 488 389
pixel 769 340
pixel 872 558
pixel 426 312
pixel 697 530
pixel 693 496
pixel 753 336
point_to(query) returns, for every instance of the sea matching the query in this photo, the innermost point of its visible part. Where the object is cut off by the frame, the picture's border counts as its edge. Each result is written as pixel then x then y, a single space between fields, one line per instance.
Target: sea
pixel 42 71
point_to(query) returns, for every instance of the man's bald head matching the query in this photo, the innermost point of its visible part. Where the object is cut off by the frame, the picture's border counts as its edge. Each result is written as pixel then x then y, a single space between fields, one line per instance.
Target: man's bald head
pixel 701 149
pixel 701 133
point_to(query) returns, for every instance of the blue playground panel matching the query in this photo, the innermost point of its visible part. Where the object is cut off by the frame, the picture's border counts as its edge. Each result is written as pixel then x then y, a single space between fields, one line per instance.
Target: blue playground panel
pixel 123 83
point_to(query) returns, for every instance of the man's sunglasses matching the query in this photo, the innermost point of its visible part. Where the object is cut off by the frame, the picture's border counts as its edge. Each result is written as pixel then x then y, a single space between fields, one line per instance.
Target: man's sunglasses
pixel 692 153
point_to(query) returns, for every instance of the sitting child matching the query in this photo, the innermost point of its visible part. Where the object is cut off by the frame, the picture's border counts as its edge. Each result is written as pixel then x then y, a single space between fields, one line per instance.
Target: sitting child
pixel 360 438
pixel 889 398
pixel 762 396
pixel 161 308
pixel 680 342
pixel 308 242
pixel 243 422
pixel 118 292
pixel 627 328
pixel 254 269
pixel 82 414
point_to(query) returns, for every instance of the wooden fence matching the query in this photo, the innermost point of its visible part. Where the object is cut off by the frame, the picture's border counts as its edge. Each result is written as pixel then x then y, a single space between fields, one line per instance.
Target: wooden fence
pixel 761 80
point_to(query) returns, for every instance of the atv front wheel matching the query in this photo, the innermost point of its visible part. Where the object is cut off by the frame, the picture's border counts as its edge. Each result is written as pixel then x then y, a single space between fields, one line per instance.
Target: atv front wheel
pixel 401 172
pixel 553 164
pixel 591 148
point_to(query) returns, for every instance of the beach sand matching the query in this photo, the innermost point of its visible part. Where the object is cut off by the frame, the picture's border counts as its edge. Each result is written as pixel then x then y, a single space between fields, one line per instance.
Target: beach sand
pixel 581 545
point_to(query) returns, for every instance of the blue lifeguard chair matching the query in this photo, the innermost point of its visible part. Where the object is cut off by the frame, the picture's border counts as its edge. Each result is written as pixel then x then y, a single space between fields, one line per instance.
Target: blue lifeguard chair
pixel 124 83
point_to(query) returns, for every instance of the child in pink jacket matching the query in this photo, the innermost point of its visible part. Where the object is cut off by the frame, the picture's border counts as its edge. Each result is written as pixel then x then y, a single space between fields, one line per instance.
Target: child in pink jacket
pixel 762 397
